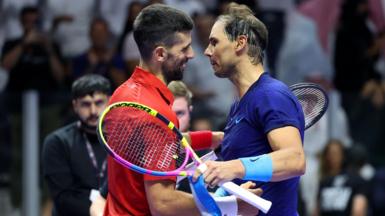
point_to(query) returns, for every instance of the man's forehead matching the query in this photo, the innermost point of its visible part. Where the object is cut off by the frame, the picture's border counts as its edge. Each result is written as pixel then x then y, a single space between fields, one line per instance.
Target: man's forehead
pixel 217 29
pixel 93 96
pixel 184 37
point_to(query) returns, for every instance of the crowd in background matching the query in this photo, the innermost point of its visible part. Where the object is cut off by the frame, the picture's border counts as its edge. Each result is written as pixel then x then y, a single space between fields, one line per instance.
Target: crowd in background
pixel 339 44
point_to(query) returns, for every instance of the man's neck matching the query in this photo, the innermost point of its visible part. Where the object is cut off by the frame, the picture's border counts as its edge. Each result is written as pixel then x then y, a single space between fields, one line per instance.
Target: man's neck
pixel 154 69
pixel 245 75
pixel 87 129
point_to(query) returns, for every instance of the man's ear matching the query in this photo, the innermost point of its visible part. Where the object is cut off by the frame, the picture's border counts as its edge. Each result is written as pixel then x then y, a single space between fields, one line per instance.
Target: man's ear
pixel 160 53
pixel 190 108
pixel 241 43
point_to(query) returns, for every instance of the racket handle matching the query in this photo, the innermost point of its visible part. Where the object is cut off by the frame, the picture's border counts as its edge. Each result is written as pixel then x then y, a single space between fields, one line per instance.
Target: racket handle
pixel 242 193
pixel 247 196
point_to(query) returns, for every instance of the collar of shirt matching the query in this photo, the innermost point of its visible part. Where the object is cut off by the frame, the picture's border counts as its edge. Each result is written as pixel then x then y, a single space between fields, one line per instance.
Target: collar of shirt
pixel 148 79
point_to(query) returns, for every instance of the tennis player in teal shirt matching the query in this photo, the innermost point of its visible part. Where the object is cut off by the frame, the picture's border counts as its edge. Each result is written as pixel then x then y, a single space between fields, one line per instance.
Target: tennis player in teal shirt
pixel 265 128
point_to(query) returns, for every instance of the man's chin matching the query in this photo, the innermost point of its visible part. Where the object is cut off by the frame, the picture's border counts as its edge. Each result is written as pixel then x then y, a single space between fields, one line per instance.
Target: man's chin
pixel 90 126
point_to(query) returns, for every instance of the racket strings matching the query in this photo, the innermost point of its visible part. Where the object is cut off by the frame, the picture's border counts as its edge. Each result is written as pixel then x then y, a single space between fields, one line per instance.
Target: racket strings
pixel 142 139
pixel 313 102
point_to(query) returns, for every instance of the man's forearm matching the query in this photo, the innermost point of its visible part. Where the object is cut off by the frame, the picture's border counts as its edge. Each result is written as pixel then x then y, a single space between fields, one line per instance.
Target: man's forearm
pixel 12 57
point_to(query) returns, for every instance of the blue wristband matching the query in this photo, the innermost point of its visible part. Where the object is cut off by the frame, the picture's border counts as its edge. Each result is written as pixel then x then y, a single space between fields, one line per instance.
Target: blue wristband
pixel 258 168
pixel 205 202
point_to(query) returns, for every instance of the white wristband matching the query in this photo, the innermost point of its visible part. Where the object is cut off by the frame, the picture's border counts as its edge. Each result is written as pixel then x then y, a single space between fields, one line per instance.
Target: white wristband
pixel 228 205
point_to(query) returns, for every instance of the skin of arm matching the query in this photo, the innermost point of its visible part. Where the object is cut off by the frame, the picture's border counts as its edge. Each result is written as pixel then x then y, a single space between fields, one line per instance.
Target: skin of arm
pixel 360 205
pixel 12 56
pixel 163 199
pixel 288 159
pixel 97 206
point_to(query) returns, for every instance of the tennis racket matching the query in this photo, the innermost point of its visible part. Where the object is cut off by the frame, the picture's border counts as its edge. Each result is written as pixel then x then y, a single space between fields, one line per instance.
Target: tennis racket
pixel 313 99
pixel 143 140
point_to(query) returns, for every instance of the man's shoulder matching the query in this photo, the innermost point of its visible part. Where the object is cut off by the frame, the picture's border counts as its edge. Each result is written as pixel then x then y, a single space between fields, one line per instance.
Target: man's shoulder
pixel 128 91
pixel 10 44
pixel 63 132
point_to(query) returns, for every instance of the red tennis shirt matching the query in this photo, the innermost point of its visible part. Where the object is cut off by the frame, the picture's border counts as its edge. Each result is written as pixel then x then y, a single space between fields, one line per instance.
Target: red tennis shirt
pixel 126 192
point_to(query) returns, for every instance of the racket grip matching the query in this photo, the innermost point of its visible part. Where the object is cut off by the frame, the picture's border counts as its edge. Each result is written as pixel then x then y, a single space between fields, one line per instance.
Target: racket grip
pixel 247 196
pixel 242 193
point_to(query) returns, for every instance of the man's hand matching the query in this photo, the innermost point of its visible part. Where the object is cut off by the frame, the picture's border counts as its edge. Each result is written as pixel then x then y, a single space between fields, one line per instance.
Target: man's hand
pixel 222 171
pixel 97 206
pixel 243 207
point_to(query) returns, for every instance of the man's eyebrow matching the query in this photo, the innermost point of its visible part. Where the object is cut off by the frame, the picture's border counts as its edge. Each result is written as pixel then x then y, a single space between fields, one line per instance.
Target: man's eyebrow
pixel 213 39
pixel 187 46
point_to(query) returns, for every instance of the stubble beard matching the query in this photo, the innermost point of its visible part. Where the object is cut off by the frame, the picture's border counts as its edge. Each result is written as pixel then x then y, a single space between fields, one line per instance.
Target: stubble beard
pixel 173 73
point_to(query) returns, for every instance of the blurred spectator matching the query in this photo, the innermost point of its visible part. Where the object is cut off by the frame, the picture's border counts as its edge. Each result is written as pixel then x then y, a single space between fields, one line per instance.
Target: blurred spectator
pixel 190 7
pixel 74 162
pixel 10 18
pixel 212 96
pixel 378 192
pixel 355 55
pixel 357 50
pixel 201 123
pixel 32 60
pixel 342 191
pixel 182 105
pixel 3 78
pixel 377 13
pixel 100 58
pixel 126 43
pixel 69 22
pixel 115 12
pixel 274 14
pixel 301 55
pixel 5 155
pixel 333 125
pixel 325 25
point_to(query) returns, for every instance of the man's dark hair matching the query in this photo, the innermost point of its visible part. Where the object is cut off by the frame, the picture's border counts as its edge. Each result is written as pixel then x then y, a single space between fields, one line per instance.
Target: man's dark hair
pixel 158 24
pixel 89 84
pixel 240 20
pixel 28 9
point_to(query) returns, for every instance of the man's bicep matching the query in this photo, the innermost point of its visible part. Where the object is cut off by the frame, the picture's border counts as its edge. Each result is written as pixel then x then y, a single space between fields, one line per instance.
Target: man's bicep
pixel 157 192
pixel 284 137
pixel 163 199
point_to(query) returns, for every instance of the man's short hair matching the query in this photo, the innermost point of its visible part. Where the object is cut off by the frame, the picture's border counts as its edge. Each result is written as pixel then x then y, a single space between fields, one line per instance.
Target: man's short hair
pixel 179 89
pixel 158 24
pixel 28 9
pixel 240 20
pixel 90 84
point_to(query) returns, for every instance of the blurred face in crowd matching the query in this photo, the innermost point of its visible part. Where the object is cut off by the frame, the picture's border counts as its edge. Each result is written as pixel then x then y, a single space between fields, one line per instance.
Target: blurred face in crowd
pixel 99 34
pixel 202 124
pixel 29 21
pixel 221 51
pixel 335 155
pixel 182 110
pixel 89 107
pixel 203 24
pixel 177 57
pixel 134 9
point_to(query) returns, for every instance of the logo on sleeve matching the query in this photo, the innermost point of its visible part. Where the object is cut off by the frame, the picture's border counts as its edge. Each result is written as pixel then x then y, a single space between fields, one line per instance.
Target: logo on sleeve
pixel 254 159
